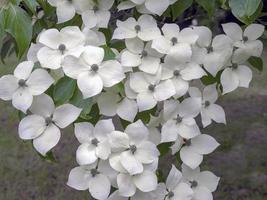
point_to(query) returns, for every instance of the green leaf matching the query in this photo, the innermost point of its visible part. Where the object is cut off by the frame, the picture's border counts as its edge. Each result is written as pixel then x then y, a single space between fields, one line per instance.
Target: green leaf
pixel 256 62
pixel 31 4
pixel 109 54
pixel 246 10
pixel 179 7
pixel 64 90
pixel 145 115
pixel 208 5
pixel 6 49
pixel 164 148
pixel 18 24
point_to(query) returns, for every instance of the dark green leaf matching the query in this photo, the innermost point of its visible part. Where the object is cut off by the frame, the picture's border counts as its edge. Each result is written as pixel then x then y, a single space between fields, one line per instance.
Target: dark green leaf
pixel 256 62
pixel 6 48
pixel 109 54
pixel 31 4
pixel 164 148
pixel 145 115
pixel 179 7
pixel 208 5
pixel 18 24
pixel 107 32
pixel 64 90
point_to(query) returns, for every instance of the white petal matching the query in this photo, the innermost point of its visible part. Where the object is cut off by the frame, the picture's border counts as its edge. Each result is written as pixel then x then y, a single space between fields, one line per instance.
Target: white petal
pixel 254 31
pixel 50 38
pixel 23 70
pixel 202 193
pixel 65 11
pixel 129 59
pixel 147 152
pixel 204 35
pixel 190 158
pixel 137 132
pixel 216 113
pixel 50 58
pixel 127 109
pixel 90 84
pixel 180 53
pixel 78 179
pixel 39 81
pixel 43 105
pixel 118 140
pixel 22 99
pixel 66 114
pixel 164 90
pixel 9 84
pixel 126 185
pixel 83 131
pixel 149 29
pixel 145 101
pixel 138 82
pixel 85 154
pixel 190 107
pixel 107 103
pixel 177 145
pixel 135 45
pixel 229 80
pixel 146 182
pixel 204 144
pixel 208 179
pixel 130 163
pixel 161 44
pixel 77 39
pixel 31 127
pixel 103 150
pixel 103 128
pixel 150 64
pixel 125 5
pixel 171 30
pixel 183 192
pixel 116 195
pixel 89 18
pixel 188 173
pixel 115 163
pixel 173 178
pixel 244 74
pixel 233 30
pixel 169 131
pixel 188 131
pixel 103 17
pixel 125 29
pixel 99 187
pixel 32 52
pixel 157 6
pixel 46 141
pixel 111 73
pixel 93 55
pixel 187 35
pixel 181 86
pixel 192 71
pixel 210 93
pixel 73 66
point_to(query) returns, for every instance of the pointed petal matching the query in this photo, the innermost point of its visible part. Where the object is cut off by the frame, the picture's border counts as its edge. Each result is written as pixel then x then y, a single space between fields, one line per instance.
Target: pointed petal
pixel 22 99
pixel 99 187
pixel 78 179
pixel 174 178
pixel 204 144
pixel 83 131
pixel 146 181
pixel 85 154
pixel 9 84
pixel 126 185
pixel 23 70
pixel 190 158
pixel 130 163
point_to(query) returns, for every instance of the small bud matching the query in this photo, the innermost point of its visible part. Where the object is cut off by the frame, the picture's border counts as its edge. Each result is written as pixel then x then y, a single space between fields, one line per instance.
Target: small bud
pixel 133 149
pixel 174 41
pixel 137 28
pixel 48 120
pixel 151 88
pixel 94 142
pixel 176 73
pixel 62 48
pixel 94 67
pixel 144 53
pixel 94 172
pixel 22 83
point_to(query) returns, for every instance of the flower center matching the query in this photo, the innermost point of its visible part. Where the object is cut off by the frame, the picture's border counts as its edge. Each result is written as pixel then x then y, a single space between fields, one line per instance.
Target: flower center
pixel 144 53
pixel 22 83
pixel 151 88
pixel 48 120
pixel 95 8
pixel 137 28
pixel 210 49
pixel 245 38
pixel 95 67
pixel 174 41
pixel 176 73
pixel 170 194
pixel 62 48
pixel 178 119
pixel 193 184
pixel 133 148
pixel 207 103
pixel 187 142
pixel 94 141
pixel 234 66
pixel 94 172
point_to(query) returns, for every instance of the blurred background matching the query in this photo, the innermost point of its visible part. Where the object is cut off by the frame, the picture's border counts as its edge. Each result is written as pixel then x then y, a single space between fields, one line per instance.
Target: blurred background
pixel 241 159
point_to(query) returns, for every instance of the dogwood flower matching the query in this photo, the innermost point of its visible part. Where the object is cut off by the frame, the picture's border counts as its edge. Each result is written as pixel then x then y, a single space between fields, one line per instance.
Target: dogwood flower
pixel 42 126
pixel 212 53
pixel 94 177
pixel 247 41
pixel 179 119
pixel 202 183
pixel 94 141
pixel 24 84
pixel 144 28
pixel 209 110
pixel 133 149
pixel 145 181
pixel 111 103
pixel 193 150
pixel 94 37
pixel 175 188
pixel 91 72
pixel 150 90
pixel 141 55
pixel 147 6
pixel 97 13
pixel 57 45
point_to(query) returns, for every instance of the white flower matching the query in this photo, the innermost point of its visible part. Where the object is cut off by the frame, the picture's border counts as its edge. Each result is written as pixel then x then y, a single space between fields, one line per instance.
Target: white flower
pixel 144 28
pixel 147 6
pixel 247 41
pixel 95 177
pixel 203 183
pixel 212 53
pixel 209 110
pixel 145 181
pixel 181 74
pixel 91 72
pixel 133 149
pixel 97 13
pixel 179 119
pixel 94 141
pixel 33 50
pixel 42 125
pixel 111 103
pixel 58 44
pixel 141 55
pixel 175 43
pixel 150 90
pixel 175 189
pixel 24 84
pixel 193 150
pixel 94 37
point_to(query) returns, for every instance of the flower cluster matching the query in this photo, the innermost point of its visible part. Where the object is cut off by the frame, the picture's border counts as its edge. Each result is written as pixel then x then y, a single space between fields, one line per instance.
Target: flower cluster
pixel 158 73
